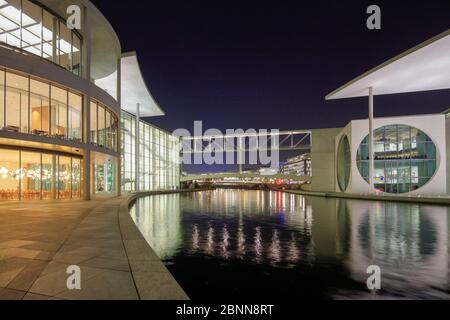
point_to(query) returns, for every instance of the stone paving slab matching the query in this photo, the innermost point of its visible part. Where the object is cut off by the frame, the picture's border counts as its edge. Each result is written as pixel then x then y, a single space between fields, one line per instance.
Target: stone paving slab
pixel 40 240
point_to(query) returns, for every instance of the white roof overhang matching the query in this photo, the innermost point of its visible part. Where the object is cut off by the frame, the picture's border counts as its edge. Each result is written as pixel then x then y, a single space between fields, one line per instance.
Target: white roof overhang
pixel 134 89
pixel 425 67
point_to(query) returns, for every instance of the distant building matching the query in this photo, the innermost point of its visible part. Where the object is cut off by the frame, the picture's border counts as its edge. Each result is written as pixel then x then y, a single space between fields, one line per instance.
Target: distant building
pixel 300 166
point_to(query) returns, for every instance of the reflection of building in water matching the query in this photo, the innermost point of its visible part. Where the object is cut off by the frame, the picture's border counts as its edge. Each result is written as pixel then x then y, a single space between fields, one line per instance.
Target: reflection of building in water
pixel 159 220
pixel 330 229
pixel 409 244
pixel 292 209
pixel 244 234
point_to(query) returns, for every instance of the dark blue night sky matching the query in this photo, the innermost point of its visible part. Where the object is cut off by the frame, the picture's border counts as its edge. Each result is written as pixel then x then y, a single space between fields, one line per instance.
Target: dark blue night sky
pixel 248 64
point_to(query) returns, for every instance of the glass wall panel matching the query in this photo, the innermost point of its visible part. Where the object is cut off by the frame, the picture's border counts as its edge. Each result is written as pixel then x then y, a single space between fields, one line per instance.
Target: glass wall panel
pixel 9 175
pixel 110 177
pixel 407 163
pixel 16 103
pixel 58 112
pixel 108 142
pixel 31 28
pixel 31 175
pixel 128 152
pixel 101 126
pixel 49 169
pixel 76 54
pixel 159 165
pixel 75 117
pixel 2 99
pixel 26 25
pixel 76 178
pixel 39 107
pixel 26 175
pixel 94 131
pixel 65 46
pixel 10 23
pixel 48 45
pixel 64 178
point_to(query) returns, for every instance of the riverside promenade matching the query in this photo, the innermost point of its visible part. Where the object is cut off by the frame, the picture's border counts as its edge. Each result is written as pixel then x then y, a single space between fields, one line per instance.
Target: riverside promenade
pixel 40 240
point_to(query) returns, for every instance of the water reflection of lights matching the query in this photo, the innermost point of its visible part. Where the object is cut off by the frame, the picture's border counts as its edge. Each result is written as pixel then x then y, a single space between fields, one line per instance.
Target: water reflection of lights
pixel 410 243
pixel 275 248
pixel 225 243
pixel 293 250
pixel 241 248
pixel 195 239
pixel 258 245
pixel 210 243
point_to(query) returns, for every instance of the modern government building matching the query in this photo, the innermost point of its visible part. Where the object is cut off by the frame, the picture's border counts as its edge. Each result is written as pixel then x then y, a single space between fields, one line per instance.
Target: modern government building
pixel 71 109
pixel 406 155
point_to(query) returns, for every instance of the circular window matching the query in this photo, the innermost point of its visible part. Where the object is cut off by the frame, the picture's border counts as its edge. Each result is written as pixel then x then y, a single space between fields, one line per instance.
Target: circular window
pixel 405 159
pixel 344 164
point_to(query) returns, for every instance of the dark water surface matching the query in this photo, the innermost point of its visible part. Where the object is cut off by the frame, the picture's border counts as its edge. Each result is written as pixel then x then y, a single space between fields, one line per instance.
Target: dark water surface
pixel 230 244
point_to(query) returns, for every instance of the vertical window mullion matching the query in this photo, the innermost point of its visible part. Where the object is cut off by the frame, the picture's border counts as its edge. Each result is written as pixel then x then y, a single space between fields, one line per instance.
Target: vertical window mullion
pixel 4 111
pixel 29 105
pixel 21 24
pixel 67 115
pixel 42 187
pixel 20 175
pixel 49 110
pixel 42 32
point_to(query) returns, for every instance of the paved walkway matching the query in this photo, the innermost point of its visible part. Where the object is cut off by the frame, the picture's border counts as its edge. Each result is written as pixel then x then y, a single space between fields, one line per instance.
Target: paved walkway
pixel 40 240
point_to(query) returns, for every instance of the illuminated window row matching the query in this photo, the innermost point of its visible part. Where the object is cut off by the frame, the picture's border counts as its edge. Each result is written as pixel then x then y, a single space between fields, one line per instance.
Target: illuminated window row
pixel 31 106
pixel 159 157
pixel 104 126
pixel 28 175
pixel 28 26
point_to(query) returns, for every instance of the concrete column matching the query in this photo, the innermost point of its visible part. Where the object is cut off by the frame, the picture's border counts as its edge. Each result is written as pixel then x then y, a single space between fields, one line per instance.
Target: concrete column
pixel 87 46
pixel 371 143
pixel 86 74
pixel 138 120
pixel 119 128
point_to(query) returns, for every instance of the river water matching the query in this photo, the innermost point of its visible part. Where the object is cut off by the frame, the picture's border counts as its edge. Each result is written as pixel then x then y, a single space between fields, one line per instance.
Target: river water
pixel 236 245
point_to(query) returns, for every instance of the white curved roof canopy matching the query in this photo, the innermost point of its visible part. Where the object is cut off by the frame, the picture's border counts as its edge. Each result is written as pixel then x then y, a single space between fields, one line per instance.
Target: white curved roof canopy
pixel 134 89
pixel 426 67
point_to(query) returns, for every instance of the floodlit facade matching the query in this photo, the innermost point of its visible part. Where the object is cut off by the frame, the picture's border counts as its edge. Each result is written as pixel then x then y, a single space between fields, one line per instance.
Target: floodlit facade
pixel 300 165
pixel 398 155
pixel 410 156
pixel 62 96
pixel 159 159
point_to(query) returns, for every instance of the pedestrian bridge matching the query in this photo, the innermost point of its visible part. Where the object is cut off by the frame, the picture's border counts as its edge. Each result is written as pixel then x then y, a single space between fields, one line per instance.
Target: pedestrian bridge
pixel 242 176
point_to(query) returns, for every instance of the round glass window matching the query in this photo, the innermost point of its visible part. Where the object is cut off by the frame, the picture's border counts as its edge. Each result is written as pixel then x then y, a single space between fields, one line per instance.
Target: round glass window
pixel 405 159
pixel 344 159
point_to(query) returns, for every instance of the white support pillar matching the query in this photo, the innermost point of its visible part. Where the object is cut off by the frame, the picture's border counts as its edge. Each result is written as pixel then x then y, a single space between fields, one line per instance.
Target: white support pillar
pixel 241 155
pixel 371 143
pixel 137 141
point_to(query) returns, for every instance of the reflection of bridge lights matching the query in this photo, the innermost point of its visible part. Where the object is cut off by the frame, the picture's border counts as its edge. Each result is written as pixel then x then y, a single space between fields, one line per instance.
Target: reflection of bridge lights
pixel 258 245
pixel 195 238
pixel 275 252
pixel 241 243
pixel 225 243
pixel 210 243
pixel 293 251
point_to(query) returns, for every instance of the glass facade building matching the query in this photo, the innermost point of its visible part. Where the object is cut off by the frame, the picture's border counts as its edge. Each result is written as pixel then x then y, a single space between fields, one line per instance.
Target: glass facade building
pixel 32 106
pixel 159 157
pixel 26 25
pixel 405 159
pixel 31 175
pixel 62 93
